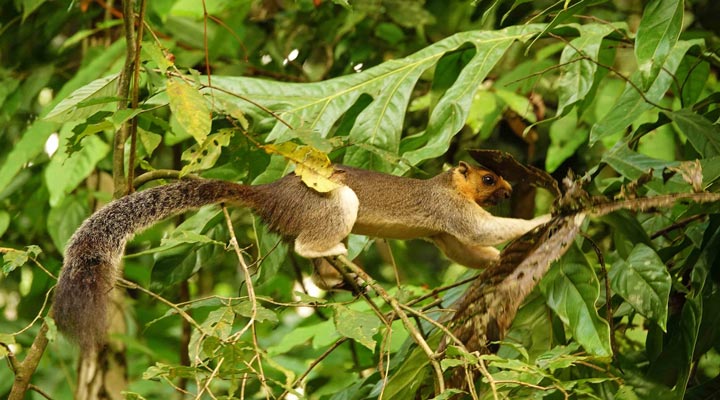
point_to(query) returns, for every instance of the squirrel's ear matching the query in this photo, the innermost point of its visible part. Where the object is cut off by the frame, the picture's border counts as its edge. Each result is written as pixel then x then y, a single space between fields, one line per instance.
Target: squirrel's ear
pixel 463 168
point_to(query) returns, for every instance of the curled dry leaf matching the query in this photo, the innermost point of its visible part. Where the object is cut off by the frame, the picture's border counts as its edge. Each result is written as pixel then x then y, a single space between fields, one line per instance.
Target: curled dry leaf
pixel 311 165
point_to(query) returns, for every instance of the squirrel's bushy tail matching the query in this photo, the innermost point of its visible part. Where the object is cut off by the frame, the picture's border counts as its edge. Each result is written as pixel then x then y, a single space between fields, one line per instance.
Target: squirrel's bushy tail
pixel 94 251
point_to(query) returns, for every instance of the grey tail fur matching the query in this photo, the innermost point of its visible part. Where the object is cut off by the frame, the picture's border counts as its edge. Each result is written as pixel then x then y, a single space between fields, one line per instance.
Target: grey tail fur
pixel 94 251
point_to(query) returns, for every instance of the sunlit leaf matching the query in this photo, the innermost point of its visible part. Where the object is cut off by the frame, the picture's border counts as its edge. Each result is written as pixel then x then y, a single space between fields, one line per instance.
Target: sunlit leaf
pixel 189 109
pixel 71 108
pixel 202 156
pixel 361 326
pixel 312 166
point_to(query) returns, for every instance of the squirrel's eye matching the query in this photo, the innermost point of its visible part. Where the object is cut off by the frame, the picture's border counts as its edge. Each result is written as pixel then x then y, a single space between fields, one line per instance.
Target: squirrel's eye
pixel 488 180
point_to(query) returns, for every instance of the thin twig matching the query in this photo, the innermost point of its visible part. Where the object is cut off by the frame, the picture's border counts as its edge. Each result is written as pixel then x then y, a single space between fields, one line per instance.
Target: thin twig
pixel 132 285
pixel 610 68
pixel 439 290
pixel 39 391
pixel 210 378
pixel 38 316
pixel 677 225
pixel 312 365
pixel 134 96
pixel 251 297
pixel 414 333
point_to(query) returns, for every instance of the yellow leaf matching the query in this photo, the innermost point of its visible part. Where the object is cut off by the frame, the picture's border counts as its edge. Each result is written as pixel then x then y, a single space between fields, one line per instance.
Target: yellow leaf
pixel 312 166
pixel 189 109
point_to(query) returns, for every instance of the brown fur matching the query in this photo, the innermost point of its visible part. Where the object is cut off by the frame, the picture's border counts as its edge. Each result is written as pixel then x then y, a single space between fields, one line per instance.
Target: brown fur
pixel 445 209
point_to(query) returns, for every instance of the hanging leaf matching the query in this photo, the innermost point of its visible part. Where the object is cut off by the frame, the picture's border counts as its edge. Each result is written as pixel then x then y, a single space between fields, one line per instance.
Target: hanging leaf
pixel 189 109
pixel 644 282
pixel 657 34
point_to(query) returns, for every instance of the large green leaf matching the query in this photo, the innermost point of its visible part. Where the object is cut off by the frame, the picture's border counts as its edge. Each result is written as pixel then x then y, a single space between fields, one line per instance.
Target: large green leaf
pixel 700 131
pixel 579 72
pixel 657 34
pixel 644 282
pixel 572 289
pixel 317 107
pixel 676 362
pixel 86 100
pixel 33 140
pixel 632 165
pixel 65 172
pixel 566 136
pixel 632 103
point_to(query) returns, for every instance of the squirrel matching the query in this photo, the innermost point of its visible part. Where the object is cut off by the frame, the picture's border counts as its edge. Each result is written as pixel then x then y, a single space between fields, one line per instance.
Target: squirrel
pixel 446 209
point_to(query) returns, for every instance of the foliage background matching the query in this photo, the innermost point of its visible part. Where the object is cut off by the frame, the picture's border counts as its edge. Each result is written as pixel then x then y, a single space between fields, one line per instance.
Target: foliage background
pixel 622 91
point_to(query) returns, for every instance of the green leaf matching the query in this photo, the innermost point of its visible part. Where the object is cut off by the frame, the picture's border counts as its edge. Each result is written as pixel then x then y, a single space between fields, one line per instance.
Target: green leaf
pixel 632 165
pixel 692 76
pixel 80 36
pixel 29 6
pixel 65 218
pixel 262 314
pixel 4 222
pixel 571 289
pixel 657 34
pixel 701 132
pixel 13 259
pixel 450 114
pixel 360 326
pixel 73 107
pixel 65 172
pixel 317 107
pixel 631 104
pixel 149 140
pixel 449 394
pixel 204 156
pixel 484 113
pixel 151 51
pixel 189 109
pixel 578 76
pixel 176 263
pixel 219 322
pixel 566 136
pixel 674 365
pixel 179 237
pixel 518 103
pixel 33 139
pixel 644 282
pixel 298 336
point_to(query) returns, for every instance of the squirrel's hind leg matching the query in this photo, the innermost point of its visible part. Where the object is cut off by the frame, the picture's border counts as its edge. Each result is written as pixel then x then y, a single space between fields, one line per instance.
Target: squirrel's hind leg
pixel 329 223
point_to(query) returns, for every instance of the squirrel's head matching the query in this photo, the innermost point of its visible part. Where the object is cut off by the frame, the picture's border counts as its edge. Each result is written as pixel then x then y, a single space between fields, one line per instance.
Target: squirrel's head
pixel 480 185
